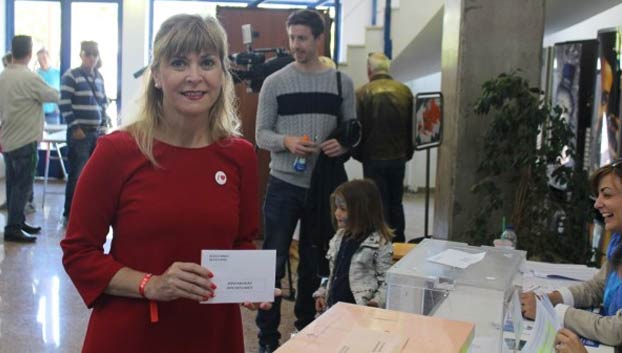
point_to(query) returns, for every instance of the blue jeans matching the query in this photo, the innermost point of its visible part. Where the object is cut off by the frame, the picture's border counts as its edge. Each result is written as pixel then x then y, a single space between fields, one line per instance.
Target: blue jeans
pixel 19 177
pixel 283 207
pixel 389 177
pixel 78 153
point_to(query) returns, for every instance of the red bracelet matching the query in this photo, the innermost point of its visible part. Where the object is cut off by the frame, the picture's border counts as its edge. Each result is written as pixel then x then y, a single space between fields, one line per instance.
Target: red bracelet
pixel 143 284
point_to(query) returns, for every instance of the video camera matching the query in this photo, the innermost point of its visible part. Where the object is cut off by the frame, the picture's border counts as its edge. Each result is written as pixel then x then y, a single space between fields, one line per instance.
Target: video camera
pixel 254 65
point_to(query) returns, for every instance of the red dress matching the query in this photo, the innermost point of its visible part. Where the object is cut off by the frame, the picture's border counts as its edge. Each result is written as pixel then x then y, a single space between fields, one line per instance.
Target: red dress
pixel 159 216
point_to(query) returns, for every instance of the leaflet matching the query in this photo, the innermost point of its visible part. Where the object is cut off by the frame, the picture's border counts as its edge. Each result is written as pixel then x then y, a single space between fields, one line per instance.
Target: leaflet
pixel 241 275
pixel 457 258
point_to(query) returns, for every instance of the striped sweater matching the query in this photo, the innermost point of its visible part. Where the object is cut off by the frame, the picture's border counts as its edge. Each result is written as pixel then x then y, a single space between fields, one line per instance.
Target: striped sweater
pixel 77 104
pixel 292 102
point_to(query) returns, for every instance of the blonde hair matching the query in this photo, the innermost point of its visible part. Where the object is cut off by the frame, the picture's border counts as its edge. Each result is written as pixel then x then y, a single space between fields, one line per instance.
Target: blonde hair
pixel 178 36
pixel 328 62
pixel 378 62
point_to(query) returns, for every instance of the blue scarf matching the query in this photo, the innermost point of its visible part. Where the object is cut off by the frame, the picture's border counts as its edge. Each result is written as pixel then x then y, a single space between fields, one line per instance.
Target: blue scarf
pixel 613 287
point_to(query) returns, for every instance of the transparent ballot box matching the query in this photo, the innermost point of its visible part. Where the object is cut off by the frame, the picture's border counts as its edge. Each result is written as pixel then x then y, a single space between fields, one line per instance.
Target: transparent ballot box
pixel 479 293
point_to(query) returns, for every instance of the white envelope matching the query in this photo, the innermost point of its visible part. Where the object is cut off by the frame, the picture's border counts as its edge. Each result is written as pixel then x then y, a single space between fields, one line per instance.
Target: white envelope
pixel 241 275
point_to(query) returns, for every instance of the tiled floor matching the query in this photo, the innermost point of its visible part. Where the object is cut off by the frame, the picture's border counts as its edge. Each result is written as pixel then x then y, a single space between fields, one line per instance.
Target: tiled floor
pixel 40 310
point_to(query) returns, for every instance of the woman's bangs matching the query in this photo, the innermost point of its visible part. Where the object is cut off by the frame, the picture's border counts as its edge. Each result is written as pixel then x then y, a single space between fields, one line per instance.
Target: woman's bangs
pixel 191 39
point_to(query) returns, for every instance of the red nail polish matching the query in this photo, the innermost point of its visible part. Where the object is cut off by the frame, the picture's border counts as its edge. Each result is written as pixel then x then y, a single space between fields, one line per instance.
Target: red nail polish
pixel 210 275
pixel 213 286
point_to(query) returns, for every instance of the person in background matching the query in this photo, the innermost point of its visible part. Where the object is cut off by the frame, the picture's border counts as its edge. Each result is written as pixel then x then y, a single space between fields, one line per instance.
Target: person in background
pixel 51 76
pixel 385 107
pixel 146 293
pixel 605 289
pixel 21 116
pixel 82 105
pixel 6 60
pixel 362 235
pixel 300 99
pixel 328 62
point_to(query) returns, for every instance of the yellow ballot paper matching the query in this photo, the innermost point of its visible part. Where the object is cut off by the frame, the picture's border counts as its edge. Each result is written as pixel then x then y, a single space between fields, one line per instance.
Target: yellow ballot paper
pixel 364 340
pixel 241 275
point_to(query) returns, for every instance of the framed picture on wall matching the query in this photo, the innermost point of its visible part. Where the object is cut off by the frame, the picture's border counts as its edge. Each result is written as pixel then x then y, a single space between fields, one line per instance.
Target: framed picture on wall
pixel 428 124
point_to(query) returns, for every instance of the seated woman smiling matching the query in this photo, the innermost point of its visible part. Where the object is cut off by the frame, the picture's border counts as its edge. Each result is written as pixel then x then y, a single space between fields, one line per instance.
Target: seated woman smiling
pixel 605 289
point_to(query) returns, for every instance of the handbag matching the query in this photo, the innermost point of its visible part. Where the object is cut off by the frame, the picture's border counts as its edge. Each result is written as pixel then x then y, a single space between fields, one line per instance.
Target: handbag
pixel 348 133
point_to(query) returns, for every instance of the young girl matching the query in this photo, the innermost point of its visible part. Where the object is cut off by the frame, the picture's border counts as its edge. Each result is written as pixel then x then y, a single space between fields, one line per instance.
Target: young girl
pixel 360 253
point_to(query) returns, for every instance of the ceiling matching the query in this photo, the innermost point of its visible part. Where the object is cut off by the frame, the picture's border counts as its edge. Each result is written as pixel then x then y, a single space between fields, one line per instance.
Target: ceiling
pixel 425 49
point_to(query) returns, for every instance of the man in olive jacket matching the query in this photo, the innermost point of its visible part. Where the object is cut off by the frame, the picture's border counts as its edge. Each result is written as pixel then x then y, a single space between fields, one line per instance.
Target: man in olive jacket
pixel 384 107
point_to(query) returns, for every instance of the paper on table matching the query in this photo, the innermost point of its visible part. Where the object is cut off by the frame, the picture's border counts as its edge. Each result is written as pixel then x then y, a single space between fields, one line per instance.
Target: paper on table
pixel 457 258
pixel 364 340
pixel 574 272
pixel 241 275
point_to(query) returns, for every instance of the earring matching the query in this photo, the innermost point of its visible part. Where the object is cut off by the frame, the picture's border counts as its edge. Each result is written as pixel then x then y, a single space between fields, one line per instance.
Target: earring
pixel 157 85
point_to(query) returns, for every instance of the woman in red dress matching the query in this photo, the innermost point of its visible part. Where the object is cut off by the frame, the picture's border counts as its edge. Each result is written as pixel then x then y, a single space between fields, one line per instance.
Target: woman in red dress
pixel 176 181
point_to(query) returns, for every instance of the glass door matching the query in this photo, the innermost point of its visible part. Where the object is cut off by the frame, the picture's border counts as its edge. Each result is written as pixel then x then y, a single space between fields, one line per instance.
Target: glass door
pixel 41 21
pixel 99 22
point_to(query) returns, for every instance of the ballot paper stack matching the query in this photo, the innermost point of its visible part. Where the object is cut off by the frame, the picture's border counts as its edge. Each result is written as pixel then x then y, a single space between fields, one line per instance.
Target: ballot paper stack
pixel 542 338
pixel 348 328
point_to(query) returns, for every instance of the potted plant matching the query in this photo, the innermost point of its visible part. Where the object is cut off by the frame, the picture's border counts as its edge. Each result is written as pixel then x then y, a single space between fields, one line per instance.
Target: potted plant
pixel 522 176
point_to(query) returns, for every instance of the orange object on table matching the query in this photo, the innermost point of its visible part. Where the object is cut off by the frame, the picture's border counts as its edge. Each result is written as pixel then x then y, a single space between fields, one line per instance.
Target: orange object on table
pixel 401 249
pixel 338 327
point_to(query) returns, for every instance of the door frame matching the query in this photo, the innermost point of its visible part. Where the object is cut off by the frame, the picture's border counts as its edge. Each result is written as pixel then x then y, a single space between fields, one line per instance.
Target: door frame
pixel 65 42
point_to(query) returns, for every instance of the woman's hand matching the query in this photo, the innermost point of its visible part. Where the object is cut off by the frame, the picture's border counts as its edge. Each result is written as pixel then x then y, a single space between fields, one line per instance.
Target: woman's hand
pixel 528 305
pixel 372 303
pixel 181 280
pixel 567 341
pixel 264 305
pixel 320 304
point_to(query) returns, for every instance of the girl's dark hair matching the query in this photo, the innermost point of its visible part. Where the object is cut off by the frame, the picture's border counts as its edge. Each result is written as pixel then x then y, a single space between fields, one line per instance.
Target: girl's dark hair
pixel 365 214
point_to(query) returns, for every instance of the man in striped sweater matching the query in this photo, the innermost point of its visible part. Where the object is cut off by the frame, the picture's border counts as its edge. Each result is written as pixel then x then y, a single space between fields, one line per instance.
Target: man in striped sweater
pixel 300 99
pixel 82 103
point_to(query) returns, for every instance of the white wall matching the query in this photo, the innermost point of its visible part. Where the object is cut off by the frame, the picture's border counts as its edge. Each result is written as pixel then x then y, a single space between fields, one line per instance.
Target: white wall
pixel 135 53
pixel 357 15
pixel 587 29
pixel 2 26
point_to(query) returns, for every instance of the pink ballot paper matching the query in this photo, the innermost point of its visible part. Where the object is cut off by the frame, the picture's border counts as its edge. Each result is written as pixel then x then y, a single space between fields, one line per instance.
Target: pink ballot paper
pixel 241 275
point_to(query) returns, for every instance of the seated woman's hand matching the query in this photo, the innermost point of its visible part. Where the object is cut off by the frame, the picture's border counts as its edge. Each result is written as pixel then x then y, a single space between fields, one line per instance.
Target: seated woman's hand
pixel 567 341
pixel 264 305
pixel 181 280
pixel 528 305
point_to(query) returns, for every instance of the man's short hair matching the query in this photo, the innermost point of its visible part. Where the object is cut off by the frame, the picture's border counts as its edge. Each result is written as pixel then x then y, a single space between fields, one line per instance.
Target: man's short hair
pixel 89 47
pixel 378 62
pixel 309 18
pixel 42 51
pixel 21 46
